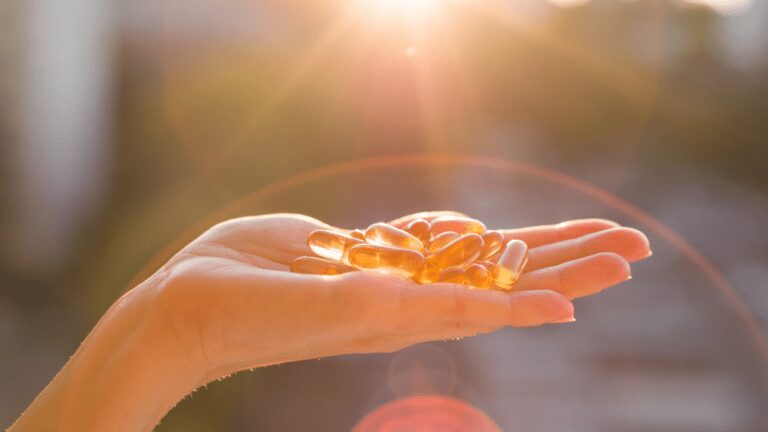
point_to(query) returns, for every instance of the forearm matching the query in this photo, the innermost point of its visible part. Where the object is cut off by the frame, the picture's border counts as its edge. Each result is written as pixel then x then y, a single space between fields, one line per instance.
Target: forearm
pixel 124 377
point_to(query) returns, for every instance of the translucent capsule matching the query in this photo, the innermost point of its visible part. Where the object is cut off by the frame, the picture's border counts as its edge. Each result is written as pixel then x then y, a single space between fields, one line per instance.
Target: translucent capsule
pixel 388 235
pixel 478 276
pixel 459 252
pixel 358 234
pixel 456 224
pixel 396 260
pixel 441 240
pixel 331 244
pixel 511 264
pixel 453 275
pixel 428 273
pixel 319 266
pixel 493 243
pixel 487 264
pixel 419 228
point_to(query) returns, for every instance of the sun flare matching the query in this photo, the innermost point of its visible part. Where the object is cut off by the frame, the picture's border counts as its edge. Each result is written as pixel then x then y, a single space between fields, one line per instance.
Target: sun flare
pixel 407 9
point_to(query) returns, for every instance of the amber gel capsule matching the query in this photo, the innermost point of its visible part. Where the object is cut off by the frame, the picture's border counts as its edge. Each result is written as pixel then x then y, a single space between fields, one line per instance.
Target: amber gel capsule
pixel 396 260
pixel 358 234
pixel 330 244
pixel 319 266
pixel 428 273
pixel 453 275
pixel 487 264
pixel 511 263
pixel 419 228
pixel 493 242
pixel 456 224
pixel 441 240
pixel 458 253
pixel 478 276
pixel 388 235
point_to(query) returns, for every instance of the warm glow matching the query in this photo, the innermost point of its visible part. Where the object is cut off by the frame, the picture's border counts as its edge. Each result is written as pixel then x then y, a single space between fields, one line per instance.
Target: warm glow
pixel 409 9
pixel 406 6
pixel 728 7
pixel 568 3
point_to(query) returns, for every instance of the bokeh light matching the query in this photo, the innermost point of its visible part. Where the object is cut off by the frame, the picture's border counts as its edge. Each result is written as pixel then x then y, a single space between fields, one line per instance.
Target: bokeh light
pixel 426 414
pixel 143 119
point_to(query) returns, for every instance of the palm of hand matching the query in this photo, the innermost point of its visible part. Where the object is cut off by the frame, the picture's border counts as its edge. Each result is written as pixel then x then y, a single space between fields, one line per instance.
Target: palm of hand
pixel 267 242
pixel 232 303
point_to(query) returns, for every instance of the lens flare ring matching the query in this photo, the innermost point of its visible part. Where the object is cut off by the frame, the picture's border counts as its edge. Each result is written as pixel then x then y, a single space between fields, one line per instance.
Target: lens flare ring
pixel 737 304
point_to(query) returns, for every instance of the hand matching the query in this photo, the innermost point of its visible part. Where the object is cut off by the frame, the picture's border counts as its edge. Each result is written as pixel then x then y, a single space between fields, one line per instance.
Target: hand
pixel 232 303
pixel 227 302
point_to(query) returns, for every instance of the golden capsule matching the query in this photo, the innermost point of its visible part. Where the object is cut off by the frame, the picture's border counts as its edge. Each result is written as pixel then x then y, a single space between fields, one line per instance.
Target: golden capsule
pixel 453 275
pixel 493 243
pixel 428 273
pixel 319 266
pixel 456 224
pixel 478 276
pixel 358 234
pixel 459 252
pixel 441 240
pixel 511 264
pixel 388 235
pixel 419 228
pixel 487 264
pixel 401 261
pixel 495 257
pixel 330 244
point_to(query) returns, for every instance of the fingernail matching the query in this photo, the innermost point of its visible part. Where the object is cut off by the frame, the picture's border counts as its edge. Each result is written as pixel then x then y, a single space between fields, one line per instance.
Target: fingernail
pixel 562 321
pixel 628 278
pixel 650 254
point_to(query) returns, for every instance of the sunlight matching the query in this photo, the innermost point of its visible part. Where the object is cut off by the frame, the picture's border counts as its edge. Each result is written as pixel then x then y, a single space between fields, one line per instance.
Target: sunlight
pixel 727 7
pixel 568 3
pixel 407 7
pixel 402 10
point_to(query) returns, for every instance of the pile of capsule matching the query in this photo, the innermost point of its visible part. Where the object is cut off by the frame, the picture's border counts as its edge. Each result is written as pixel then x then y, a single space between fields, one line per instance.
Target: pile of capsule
pixel 449 249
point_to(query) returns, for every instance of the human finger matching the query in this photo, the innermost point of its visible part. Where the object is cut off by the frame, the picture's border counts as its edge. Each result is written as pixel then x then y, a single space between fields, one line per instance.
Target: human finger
pixel 630 243
pixel 578 278
pixel 544 234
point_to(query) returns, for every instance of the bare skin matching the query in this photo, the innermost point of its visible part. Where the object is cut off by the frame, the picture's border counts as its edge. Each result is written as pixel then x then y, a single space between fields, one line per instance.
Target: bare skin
pixel 226 302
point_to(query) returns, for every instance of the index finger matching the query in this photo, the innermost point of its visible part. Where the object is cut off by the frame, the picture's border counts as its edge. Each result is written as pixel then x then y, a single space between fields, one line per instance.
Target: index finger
pixel 404 306
pixel 545 234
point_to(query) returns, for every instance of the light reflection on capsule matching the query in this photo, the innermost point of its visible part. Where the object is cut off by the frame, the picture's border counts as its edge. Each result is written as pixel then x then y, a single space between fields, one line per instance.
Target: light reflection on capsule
pixel 460 225
pixel 388 235
pixel 419 228
pixel 401 261
pixel 330 244
pixel 493 243
pixel 453 275
pixel 428 273
pixel 478 276
pixel 441 240
pixel 459 252
pixel 510 265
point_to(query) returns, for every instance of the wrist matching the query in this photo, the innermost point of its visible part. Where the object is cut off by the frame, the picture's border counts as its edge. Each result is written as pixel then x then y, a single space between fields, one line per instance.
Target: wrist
pixel 125 376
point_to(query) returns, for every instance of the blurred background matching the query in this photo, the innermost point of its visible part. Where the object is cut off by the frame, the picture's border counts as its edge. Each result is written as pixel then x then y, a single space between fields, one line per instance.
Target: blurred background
pixel 128 126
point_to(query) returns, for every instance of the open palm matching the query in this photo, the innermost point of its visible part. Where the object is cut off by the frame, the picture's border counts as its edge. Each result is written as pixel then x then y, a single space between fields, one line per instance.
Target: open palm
pixel 227 302
pixel 229 297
